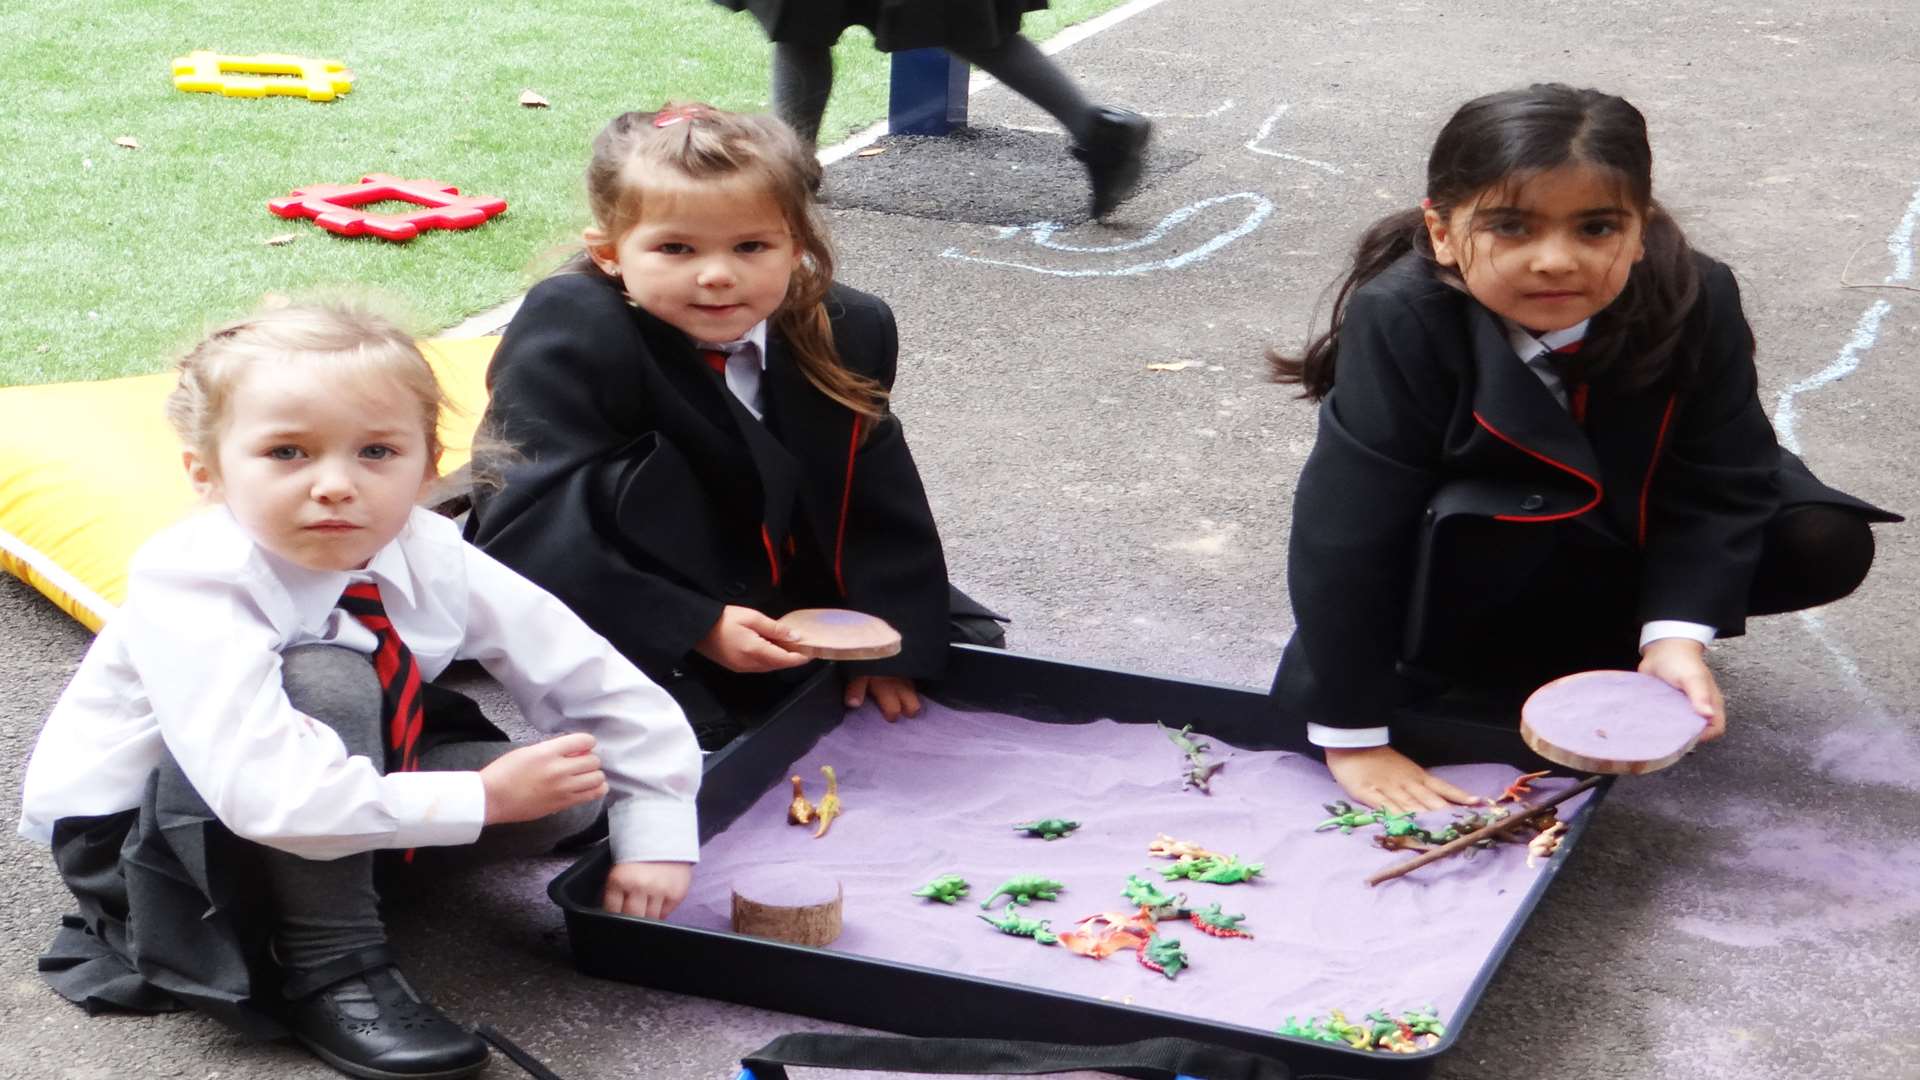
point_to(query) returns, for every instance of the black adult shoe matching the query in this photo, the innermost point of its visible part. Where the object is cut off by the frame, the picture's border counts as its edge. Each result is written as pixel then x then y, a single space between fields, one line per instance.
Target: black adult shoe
pixel 1114 153
pixel 359 1015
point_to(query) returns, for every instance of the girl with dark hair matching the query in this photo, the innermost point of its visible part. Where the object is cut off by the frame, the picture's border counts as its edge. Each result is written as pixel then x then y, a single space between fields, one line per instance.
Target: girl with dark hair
pixel 701 433
pixel 1110 142
pixel 1541 447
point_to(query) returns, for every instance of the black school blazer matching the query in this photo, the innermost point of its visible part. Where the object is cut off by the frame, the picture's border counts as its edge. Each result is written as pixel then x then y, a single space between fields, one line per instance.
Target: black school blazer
pixel 1432 416
pixel 646 497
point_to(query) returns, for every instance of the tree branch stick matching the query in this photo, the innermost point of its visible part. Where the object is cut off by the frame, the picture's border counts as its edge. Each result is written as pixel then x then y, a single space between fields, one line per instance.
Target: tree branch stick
pixel 1486 833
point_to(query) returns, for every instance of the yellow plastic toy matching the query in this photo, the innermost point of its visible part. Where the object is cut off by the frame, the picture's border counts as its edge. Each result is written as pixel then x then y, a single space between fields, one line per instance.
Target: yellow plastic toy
pixel 207 72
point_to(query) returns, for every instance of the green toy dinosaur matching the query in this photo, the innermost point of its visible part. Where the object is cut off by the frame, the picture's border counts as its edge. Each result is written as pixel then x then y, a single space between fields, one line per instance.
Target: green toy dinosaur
pixel 1025 889
pixel 1226 871
pixel 946 888
pixel 1161 905
pixel 1345 817
pixel 1052 828
pixel 1009 923
pixel 1199 771
pixel 1163 955
pixel 1217 923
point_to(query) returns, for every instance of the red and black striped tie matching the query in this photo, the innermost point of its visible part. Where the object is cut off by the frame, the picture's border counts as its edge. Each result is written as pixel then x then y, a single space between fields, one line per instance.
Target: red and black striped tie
pixel 399 676
pixel 1576 389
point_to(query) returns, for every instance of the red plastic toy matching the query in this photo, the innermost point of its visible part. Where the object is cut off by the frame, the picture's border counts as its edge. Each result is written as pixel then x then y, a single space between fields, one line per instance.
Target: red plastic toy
pixel 332 207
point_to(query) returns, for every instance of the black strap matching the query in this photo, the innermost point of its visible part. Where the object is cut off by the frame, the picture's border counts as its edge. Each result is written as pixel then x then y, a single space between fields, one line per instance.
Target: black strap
pixel 1148 1059
pixel 300 984
pixel 518 1056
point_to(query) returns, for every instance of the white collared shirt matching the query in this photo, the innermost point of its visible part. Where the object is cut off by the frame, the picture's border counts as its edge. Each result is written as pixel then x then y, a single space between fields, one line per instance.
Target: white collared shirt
pixel 1536 351
pixel 746 363
pixel 191 664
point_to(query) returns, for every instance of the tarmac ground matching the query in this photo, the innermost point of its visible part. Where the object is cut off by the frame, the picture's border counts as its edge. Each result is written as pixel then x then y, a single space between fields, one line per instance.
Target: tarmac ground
pixel 1752 912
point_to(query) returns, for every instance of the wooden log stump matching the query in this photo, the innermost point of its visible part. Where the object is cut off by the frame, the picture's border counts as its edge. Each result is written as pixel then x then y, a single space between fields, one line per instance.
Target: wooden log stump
pixel 791 903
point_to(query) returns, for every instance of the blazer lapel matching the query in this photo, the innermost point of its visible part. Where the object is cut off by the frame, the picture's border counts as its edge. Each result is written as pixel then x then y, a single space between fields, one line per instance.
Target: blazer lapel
pixel 820 434
pixel 1512 406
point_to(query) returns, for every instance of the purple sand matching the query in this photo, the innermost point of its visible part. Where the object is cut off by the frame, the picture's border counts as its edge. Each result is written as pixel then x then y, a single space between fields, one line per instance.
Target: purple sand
pixel 785 884
pixel 940 795
pixel 1616 715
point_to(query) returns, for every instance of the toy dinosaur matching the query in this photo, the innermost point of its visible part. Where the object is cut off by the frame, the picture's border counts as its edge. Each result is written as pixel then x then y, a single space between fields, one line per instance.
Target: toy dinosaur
pixel 1345 817
pixel 1199 771
pixel 799 811
pixel 1409 1033
pixel 1009 923
pixel 946 888
pixel 1025 889
pixel 1216 923
pixel 1163 955
pixel 1521 787
pixel 1100 936
pixel 1148 897
pixel 1166 847
pixel 1545 843
pixel 1052 828
pixel 829 807
pixel 1218 870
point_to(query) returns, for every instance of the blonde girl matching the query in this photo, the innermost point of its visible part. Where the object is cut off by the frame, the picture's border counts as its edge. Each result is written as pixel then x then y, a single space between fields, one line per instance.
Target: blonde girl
pixel 259 718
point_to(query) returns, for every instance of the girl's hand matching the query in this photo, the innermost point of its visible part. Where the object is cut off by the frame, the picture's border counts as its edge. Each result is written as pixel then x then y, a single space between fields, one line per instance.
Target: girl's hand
pixel 545 778
pixel 747 640
pixel 1682 664
pixel 650 890
pixel 1382 777
pixel 894 695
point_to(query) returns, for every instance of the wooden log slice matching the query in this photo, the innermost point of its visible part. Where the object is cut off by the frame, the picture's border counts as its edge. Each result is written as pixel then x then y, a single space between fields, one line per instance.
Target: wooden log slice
pixel 838 634
pixel 1619 722
pixel 788 902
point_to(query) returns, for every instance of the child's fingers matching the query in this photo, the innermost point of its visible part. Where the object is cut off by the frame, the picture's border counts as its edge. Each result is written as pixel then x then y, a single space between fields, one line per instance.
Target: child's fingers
pixel 769 628
pixel 1450 793
pixel 857 691
pixel 574 742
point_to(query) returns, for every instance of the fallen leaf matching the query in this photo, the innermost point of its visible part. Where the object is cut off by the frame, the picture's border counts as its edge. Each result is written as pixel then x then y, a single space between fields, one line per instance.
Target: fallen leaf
pixel 533 101
pixel 127 141
pixel 1177 365
pixel 281 240
pixel 872 151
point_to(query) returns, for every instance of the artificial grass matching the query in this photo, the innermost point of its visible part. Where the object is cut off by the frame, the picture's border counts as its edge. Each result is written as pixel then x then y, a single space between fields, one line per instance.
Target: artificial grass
pixel 115 258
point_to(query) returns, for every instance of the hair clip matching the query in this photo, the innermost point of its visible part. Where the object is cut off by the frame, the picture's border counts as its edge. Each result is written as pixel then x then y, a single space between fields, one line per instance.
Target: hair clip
pixel 1426 204
pixel 673 114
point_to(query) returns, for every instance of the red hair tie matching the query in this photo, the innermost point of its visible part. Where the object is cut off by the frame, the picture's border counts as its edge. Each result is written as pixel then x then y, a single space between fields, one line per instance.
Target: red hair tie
pixel 669 116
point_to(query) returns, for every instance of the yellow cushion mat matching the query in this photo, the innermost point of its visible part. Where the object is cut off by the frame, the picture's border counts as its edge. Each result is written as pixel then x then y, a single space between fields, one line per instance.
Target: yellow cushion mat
pixel 89 471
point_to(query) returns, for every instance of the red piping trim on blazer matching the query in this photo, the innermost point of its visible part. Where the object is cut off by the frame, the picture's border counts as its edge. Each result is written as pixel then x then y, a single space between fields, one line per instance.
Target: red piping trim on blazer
pixel 846 500
pixel 1595 484
pixel 1646 485
pixel 773 560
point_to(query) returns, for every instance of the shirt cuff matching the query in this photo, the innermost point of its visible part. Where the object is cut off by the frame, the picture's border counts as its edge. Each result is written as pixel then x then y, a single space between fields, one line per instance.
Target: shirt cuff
pixel 1672 628
pixel 435 809
pixel 1339 738
pixel 653 830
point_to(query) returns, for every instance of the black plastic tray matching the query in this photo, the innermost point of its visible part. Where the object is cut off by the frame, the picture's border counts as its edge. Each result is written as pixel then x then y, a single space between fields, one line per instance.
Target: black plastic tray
pixel 922 1001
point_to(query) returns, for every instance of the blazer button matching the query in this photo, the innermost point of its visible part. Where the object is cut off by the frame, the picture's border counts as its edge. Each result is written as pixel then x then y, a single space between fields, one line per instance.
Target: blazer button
pixel 1430 515
pixel 738 588
pixel 1532 502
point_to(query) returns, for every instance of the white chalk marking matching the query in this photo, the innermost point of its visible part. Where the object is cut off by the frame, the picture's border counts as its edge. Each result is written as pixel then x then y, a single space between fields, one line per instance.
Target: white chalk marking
pixel 1215 111
pixel 1865 333
pixel 1266 129
pixel 1900 241
pixel 1043 232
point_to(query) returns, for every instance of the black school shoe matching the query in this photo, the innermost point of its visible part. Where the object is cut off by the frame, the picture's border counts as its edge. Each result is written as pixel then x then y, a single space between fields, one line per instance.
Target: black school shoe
pixel 1114 154
pixel 359 1015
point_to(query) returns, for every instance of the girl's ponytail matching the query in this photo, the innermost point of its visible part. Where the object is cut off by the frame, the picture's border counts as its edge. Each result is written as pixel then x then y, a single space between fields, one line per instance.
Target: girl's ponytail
pixel 1379 247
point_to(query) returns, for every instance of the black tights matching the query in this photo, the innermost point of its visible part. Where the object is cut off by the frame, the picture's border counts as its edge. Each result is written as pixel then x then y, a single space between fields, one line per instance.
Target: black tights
pixel 803 80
